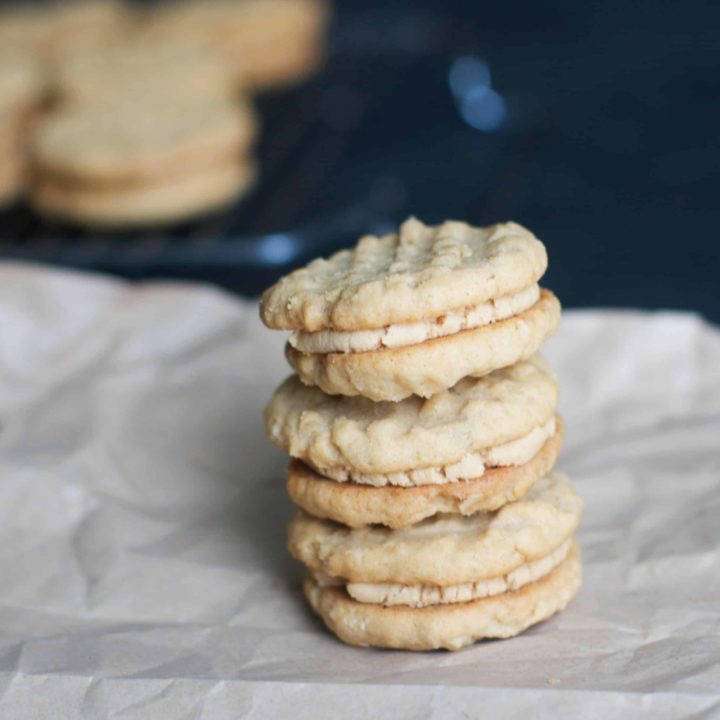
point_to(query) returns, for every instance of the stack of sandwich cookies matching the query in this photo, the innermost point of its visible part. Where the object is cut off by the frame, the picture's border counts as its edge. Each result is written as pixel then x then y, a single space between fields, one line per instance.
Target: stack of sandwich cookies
pixel 422 430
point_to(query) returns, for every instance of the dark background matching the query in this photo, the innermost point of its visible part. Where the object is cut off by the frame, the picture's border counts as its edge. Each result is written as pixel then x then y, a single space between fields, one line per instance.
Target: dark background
pixel 594 124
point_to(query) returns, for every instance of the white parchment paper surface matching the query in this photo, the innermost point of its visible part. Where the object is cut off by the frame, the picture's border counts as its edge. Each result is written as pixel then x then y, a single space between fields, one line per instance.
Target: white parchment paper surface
pixel 143 573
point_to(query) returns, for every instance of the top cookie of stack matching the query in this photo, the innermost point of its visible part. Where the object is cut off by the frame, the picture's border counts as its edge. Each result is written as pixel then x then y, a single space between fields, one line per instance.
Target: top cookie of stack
pixel 414 312
pixel 56 29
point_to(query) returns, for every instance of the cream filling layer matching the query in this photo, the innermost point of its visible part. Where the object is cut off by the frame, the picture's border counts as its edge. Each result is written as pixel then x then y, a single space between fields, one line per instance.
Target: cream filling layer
pixel 402 334
pixel 472 465
pixel 419 596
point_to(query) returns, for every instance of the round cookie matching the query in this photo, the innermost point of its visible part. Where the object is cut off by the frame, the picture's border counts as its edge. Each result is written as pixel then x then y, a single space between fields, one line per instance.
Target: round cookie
pixel 353 438
pixel 170 200
pixel 430 367
pixel 358 505
pixel 446 549
pixel 450 626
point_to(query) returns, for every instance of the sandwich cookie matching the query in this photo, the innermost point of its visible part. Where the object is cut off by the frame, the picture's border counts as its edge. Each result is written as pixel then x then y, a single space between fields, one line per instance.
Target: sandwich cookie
pixel 414 312
pixel 51 30
pixel 125 163
pixel 448 581
pixel 473 447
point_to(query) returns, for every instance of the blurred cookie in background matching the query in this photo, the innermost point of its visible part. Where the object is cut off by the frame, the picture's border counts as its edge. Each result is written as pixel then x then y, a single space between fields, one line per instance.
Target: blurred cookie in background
pixel 126 164
pixel 269 42
pixel 55 29
pixel 143 67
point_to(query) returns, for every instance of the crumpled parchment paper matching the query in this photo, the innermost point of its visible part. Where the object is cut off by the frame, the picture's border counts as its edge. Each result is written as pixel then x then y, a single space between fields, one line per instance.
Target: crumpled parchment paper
pixel 142 564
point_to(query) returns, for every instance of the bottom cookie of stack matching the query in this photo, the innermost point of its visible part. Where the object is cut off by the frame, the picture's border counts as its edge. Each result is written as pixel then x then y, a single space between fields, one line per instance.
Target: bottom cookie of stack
pixel 448 626
pixel 448 581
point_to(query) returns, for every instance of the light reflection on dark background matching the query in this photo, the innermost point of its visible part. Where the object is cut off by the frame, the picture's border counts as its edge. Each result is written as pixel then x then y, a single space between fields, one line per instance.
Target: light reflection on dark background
pixel 595 124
